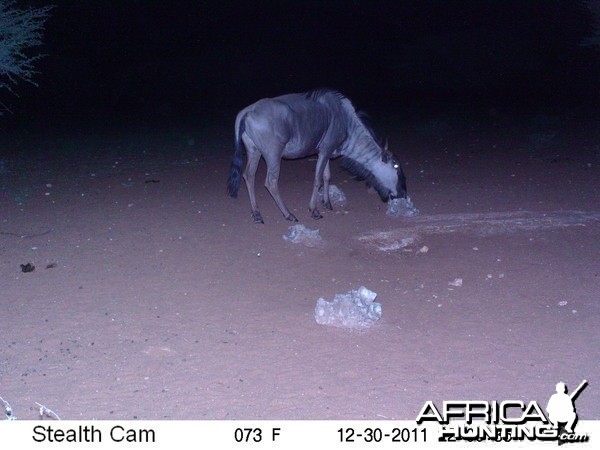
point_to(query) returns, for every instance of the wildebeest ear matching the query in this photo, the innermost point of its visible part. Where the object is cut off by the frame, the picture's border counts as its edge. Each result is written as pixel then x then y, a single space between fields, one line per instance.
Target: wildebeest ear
pixel 386 155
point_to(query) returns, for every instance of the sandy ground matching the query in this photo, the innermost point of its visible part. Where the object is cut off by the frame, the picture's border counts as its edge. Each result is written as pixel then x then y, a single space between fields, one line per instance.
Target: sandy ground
pixel 154 295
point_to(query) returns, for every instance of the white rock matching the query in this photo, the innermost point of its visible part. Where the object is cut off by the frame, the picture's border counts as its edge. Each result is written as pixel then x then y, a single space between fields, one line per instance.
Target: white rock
pixel 401 207
pixel 299 234
pixel 353 309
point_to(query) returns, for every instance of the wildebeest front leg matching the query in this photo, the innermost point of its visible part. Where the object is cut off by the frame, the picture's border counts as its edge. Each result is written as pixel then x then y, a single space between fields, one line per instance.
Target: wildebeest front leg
pixel 326 178
pixel 272 185
pixel 249 176
pixel 322 162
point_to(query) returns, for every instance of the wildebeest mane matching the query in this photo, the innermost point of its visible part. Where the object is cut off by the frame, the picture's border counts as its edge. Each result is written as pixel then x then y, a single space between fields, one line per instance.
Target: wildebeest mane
pixel 365 119
pixel 316 94
pixel 362 116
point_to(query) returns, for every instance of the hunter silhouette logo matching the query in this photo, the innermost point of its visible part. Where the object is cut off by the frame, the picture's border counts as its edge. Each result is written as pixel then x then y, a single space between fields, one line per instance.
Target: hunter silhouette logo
pixel 561 410
pixel 509 420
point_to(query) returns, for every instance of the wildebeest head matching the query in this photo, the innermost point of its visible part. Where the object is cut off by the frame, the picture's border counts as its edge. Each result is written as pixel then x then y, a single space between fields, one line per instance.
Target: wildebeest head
pixel 387 178
pixel 388 158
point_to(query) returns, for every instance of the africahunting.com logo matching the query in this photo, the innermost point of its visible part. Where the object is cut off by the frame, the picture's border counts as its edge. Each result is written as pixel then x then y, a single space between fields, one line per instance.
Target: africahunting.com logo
pixel 509 420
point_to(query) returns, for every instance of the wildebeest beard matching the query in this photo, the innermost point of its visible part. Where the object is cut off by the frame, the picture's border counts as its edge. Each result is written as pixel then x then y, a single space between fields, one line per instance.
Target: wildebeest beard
pixel 361 173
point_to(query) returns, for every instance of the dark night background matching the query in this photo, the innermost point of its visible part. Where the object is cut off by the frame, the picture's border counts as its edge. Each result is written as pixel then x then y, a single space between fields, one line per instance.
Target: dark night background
pixel 139 61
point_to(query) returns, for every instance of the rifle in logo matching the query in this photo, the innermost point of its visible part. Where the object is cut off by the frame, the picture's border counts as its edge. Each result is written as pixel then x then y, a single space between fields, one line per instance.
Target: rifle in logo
pixel 576 392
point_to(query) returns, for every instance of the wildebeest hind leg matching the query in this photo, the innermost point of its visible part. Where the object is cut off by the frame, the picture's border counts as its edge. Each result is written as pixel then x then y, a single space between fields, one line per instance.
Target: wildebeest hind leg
pixel 272 185
pixel 249 177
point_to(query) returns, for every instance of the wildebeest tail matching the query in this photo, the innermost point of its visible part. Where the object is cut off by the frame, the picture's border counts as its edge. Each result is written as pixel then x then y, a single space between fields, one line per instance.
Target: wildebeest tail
pixel 235 172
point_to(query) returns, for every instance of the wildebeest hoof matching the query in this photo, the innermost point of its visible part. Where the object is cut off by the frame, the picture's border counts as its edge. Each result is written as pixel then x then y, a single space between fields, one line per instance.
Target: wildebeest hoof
pixel 291 218
pixel 256 217
pixel 316 214
pixel 328 206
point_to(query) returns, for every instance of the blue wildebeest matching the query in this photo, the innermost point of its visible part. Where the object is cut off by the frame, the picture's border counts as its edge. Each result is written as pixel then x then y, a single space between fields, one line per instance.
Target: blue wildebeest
pixel 322 122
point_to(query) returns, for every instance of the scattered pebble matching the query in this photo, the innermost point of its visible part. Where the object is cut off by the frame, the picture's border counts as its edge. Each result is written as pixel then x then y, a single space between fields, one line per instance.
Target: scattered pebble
pixel 457 282
pixel 562 303
pixel 26 268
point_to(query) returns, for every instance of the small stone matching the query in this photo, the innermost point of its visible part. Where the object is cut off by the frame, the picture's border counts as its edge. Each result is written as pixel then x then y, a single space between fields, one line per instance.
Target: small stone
pixel 26 268
pixel 457 282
